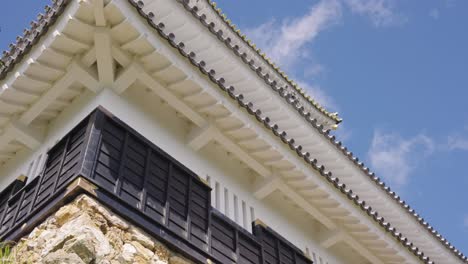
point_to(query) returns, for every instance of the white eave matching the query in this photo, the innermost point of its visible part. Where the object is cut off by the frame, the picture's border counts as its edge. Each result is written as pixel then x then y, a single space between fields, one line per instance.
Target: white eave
pixel 169 48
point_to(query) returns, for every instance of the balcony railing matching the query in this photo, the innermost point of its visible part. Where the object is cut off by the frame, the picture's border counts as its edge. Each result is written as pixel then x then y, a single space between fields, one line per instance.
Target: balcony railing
pixel 146 186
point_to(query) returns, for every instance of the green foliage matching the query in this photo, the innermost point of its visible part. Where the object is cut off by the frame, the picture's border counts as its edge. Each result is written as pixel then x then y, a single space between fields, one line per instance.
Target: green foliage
pixel 6 255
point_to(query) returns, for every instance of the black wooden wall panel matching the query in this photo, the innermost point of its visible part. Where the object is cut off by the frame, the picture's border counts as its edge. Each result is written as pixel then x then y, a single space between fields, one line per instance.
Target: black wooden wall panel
pixel 109 158
pixel 146 178
pixel 62 163
pixel 51 171
pixel 276 249
pixel 5 195
pixel 249 250
pixel 73 150
pixel 286 254
pixel 141 176
pixel 132 171
pixel 178 201
pixel 27 200
pixel 230 243
pixel 223 240
pixel 156 182
pixel 199 214
pixel 270 249
pixel 10 211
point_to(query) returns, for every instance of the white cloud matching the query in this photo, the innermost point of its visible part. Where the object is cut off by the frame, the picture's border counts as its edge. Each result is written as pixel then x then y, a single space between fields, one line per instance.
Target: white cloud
pixel 450 3
pixel 434 13
pixel 395 157
pixel 285 41
pixel 457 142
pixel 319 95
pixel 314 70
pixel 380 12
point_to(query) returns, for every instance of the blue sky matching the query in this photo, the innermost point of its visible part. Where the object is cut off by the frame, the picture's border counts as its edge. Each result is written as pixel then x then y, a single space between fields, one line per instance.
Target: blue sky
pixel 396 71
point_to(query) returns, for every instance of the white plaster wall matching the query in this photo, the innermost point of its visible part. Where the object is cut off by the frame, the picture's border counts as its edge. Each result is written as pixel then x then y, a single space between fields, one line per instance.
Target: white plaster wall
pixel 145 113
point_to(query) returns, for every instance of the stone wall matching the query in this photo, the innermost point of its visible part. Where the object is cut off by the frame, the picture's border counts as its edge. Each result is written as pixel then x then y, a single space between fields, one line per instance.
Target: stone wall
pixel 84 231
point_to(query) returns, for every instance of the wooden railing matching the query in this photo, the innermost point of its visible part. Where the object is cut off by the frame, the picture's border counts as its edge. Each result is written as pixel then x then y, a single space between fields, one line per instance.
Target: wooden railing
pixel 146 186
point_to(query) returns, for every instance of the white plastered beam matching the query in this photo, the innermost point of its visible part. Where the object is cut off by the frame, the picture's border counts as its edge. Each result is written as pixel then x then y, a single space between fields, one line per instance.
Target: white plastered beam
pixel 5 138
pixel 105 61
pixel 99 15
pixel 304 204
pixel 89 57
pixel 126 78
pixel 169 97
pixel 135 72
pixel 47 98
pixel 75 73
pixel 29 137
pixel 242 154
pixel 120 56
pixel 200 136
pixel 331 238
pixel 361 249
pixel 264 187
pixel 87 78
pixel 4 154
